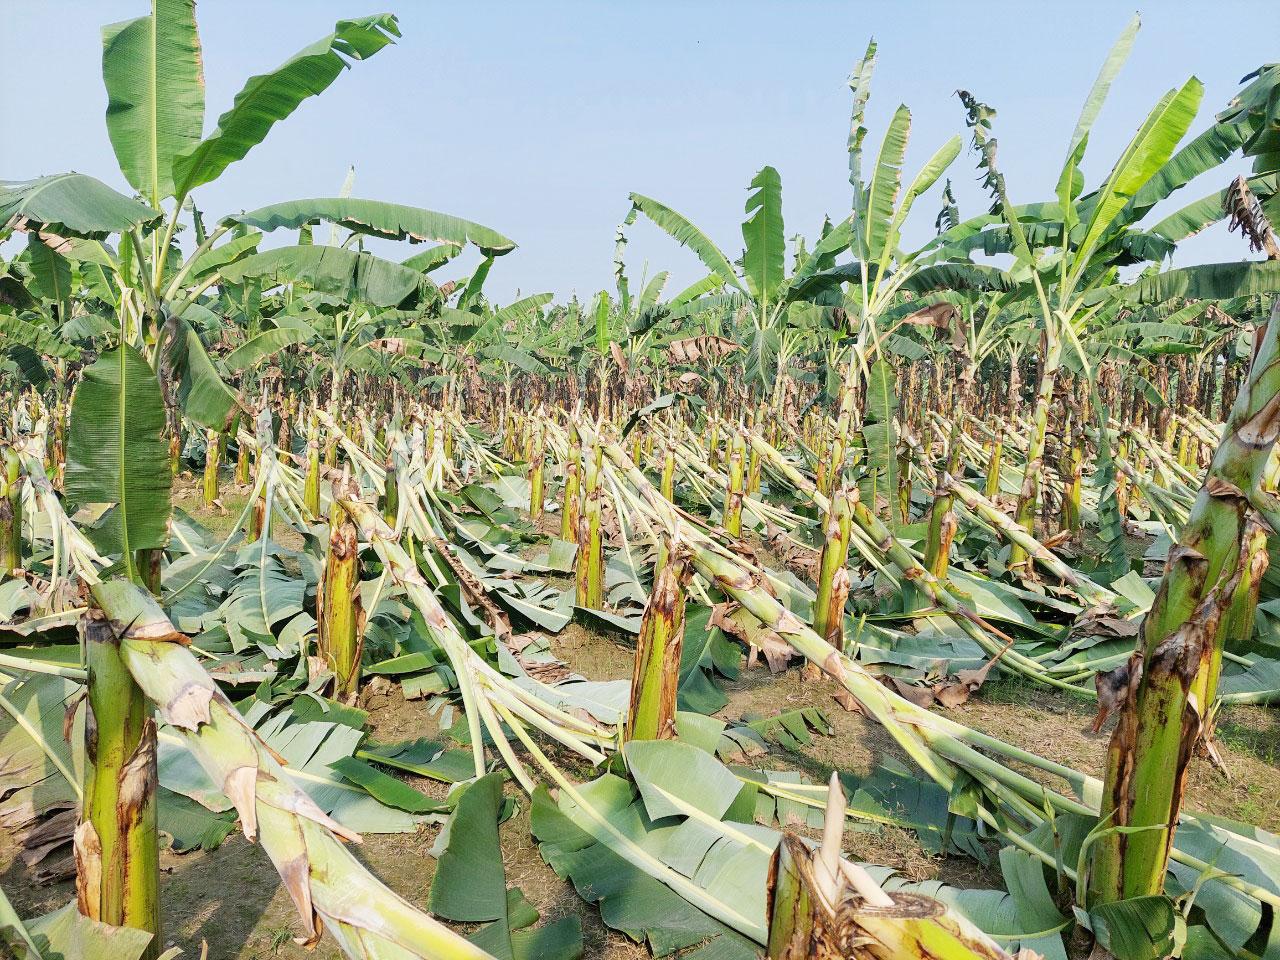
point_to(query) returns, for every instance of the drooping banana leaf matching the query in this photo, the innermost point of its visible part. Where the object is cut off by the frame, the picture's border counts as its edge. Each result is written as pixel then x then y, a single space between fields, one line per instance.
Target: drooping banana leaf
pixel 15 331
pixel 50 273
pixel 270 97
pixel 72 204
pixel 432 257
pixel 1208 281
pixel 376 218
pixel 117 454
pixel 224 254
pixel 267 344
pixel 680 229
pixel 348 273
pixel 204 397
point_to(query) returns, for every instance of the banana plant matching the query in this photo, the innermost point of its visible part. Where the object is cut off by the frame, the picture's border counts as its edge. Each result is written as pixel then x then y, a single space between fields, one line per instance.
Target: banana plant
pixel 343 341
pixel 756 286
pixel 116 452
pixel 1209 589
pixel 1067 251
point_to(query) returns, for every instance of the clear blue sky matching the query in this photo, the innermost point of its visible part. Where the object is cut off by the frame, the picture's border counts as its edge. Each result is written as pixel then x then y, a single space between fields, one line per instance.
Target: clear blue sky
pixel 538 118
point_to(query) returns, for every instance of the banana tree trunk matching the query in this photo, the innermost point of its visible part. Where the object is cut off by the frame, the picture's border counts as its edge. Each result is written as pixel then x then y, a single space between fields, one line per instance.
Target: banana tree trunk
pixel 332 891
pixel 1172 678
pixel 590 563
pixel 1028 499
pixel 311 483
pixel 732 518
pixel 656 676
pixel 668 482
pixel 569 509
pixel 58 446
pixel 536 465
pixel 833 571
pixel 242 465
pixel 211 451
pixel 753 473
pixel 1073 471
pixel 991 484
pixel 340 619
pixel 816 916
pixel 257 522
pixel 10 514
pixel 942 518
pixel 833 469
pixel 390 490
pixel 116 843
pixel 904 484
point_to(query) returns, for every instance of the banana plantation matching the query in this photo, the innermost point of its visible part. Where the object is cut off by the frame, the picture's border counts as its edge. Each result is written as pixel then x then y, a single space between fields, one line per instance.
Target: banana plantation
pixel 862 599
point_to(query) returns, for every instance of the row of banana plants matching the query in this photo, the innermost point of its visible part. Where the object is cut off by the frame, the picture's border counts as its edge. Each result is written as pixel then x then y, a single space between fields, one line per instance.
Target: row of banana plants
pixel 393 468
pixel 833 460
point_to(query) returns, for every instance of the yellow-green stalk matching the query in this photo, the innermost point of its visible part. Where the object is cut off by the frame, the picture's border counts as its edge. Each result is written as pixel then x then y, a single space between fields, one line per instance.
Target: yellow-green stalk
pixel 590 560
pixel 904 483
pixel 10 513
pixel 116 844
pixel 537 458
pixel 1122 480
pixel 834 466
pixel 656 676
pixel 243 463
pixel 942 517
pixel 257 520
pixel 570 508
pixel 1074 474
pixel 334 893
pixel 1029 496
pixel 311 483
pixel 339 614
pixel 732 514
pixel 991 485
pixel 211 452
pixel 1172 674
pixel 753 472
pixel 833 572
pixel 58 445
pixel 667 485
pixel 390 489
